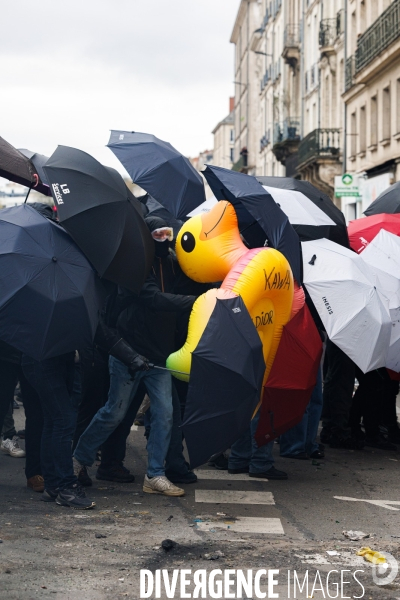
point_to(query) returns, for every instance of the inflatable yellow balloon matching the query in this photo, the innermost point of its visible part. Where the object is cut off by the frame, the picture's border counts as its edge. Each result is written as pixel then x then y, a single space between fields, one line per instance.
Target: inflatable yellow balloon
pixel 209 249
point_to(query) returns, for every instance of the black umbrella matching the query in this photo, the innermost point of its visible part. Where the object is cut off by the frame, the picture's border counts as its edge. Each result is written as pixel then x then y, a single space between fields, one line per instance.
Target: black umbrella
pixel 102 215
pixel 152 208
pixel 387 202
pixel 160 170
pixel 225 381
pixel 38 160
pixel 50 297
pixel 16 167
pixel 258 214
pixel 337 233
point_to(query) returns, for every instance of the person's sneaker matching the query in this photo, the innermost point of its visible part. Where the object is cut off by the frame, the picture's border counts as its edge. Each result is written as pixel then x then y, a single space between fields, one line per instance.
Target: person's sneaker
pixel 188 477
pixel 21 434
pixel 346 443
pixel 117 473
pixel 238 471
pixel 218 461
pixel 74 497
pixel 49 495
pixel 81 473
pixel 380 442
pixel 272 473
pixel 139 421
pixel 36 483
pixel 12 447
pixel 161 485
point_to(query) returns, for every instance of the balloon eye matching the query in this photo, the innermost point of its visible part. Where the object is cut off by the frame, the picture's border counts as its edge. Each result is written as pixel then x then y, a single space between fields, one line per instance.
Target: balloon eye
pixel 188 242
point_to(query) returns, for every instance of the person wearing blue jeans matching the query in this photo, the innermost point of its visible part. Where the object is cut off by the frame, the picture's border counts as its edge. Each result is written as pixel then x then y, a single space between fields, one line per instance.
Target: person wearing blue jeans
pixel 53 380
pixel 247 457
pixel 300 441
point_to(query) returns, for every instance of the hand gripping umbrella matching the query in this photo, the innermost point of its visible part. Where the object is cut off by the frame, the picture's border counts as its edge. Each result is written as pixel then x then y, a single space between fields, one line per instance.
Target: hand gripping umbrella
pixel 50 297
pixel 104 218
pixel 382 257
pixel 38 161
pixel 225 381
pixel 355 315
pixel 257 212
pixel 17 167
pixel 337 233
pixel 292 379
pixel 387 202
pixel 363 231
pixel 160 170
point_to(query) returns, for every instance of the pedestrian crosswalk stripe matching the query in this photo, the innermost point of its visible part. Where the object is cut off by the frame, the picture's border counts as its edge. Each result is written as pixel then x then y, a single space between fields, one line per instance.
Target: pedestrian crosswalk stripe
pixel 233 497
pixel 244 525
pixel 225 476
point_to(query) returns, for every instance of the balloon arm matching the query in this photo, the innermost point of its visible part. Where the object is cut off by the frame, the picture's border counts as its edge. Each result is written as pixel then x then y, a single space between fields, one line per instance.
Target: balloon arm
pixel 153 366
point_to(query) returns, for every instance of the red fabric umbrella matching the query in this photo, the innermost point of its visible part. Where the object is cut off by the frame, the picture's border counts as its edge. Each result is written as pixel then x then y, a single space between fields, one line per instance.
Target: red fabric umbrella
pixel 292 379
pixel 363 231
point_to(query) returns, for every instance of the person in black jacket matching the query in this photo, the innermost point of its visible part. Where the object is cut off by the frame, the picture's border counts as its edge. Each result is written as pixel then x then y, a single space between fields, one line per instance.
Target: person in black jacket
pixel 148 324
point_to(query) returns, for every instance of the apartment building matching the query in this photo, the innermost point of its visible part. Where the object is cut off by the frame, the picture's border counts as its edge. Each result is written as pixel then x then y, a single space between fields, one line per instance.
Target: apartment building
pixel 372 98
pixel 224 139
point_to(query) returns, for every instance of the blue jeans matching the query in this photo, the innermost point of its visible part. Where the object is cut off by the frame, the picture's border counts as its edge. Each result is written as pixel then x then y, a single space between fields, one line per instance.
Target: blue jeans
pixel 245 452
pixel 175 463
pixel 302 437
pixel 53 381
pixel 122 391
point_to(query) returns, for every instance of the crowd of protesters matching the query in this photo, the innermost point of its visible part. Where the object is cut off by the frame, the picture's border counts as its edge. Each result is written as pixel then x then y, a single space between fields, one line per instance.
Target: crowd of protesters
pixel 80 407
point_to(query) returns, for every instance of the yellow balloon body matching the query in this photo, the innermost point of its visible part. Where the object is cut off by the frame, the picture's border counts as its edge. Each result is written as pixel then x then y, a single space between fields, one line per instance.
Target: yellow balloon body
pixel 212 251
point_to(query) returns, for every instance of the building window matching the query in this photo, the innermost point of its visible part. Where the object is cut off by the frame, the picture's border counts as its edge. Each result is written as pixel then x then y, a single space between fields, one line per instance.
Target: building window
pixel 353 133
pixel 232 135
pixel 232 154
pixel 374 121
pixel 363 130
pixel 398 106
pixel 386 114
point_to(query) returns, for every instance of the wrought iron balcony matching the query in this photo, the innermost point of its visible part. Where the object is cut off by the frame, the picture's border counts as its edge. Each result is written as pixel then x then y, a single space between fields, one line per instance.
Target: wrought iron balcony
pixel 384 31
pixel 264 142
pixel 287 130
pixel 330 29
pixel 350 72
pixel 291 35
pixel 320 143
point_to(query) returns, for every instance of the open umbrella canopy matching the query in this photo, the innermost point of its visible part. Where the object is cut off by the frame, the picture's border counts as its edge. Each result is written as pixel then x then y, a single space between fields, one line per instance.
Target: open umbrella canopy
pixel 17 167
pixel 102 215
pixel 387 202
pixel 225 381
pixel 152 208
pixel 337 233
pixel 159 169
pixel 50 295
pixel 258 214
pixel 363 231
pixel 38 161
pixel 382 257
pixel 292 379
pixel 354 313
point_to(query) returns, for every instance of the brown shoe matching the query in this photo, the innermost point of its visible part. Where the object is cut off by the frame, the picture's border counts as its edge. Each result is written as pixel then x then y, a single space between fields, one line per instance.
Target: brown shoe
pixel 36 483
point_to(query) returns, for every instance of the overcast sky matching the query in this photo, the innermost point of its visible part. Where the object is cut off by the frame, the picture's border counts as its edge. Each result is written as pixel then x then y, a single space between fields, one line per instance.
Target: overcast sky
pixel 70 71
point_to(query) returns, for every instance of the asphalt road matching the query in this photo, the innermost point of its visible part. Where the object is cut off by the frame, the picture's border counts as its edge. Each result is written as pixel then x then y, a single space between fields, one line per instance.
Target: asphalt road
pixel 48 551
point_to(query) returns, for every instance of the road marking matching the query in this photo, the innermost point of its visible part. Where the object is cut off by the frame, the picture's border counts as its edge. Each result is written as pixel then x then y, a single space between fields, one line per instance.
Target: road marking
pixel 345 559
pixel 233 497
pixel 225 476
pixel 382 503
pixel 244 525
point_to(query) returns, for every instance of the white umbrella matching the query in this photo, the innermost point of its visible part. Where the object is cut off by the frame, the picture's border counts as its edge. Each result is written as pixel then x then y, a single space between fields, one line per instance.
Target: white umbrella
pixel 205 207
pixel 382 256
pixel 298 208
pixel 354 313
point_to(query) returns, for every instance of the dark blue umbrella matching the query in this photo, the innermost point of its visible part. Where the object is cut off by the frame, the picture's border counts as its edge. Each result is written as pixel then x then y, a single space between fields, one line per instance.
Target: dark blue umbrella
pixel 387 202
pixel 50 295
pixel 160 170
pixel 225 381
pixel 260 218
